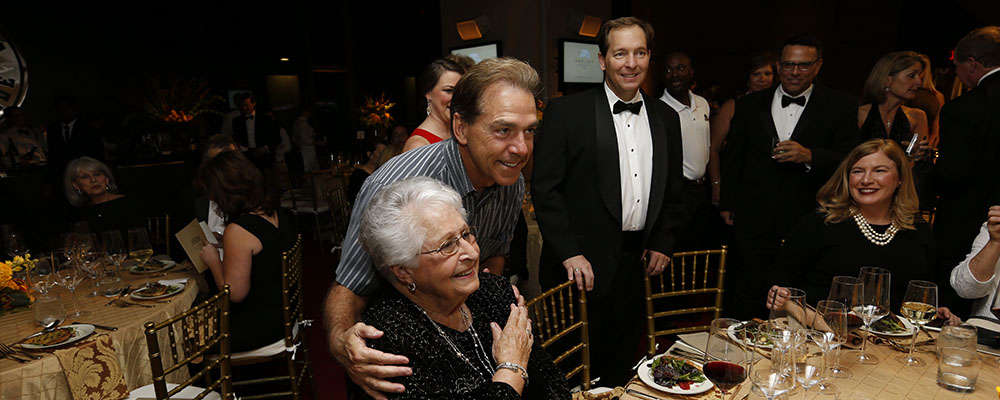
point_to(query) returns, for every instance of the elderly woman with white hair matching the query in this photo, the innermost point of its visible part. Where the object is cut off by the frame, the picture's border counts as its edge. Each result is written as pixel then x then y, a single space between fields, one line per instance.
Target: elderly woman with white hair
pixel 91 189
pixel 465 334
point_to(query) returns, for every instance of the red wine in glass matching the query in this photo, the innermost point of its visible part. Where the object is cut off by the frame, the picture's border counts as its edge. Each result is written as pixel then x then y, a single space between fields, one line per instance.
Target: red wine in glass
pixel 725 375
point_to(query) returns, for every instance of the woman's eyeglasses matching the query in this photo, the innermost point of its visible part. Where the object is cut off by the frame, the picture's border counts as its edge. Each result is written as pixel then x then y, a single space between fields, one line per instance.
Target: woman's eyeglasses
pixel 450 246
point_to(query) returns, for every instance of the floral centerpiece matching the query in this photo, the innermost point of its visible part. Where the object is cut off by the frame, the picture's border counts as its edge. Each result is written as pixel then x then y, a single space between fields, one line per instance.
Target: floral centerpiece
pixel 14 291
pixel 172 112
pixel 375 112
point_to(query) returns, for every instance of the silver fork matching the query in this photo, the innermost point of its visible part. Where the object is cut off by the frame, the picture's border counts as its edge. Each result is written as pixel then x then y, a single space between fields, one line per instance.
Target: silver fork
pixel 10 354
pixel 8 349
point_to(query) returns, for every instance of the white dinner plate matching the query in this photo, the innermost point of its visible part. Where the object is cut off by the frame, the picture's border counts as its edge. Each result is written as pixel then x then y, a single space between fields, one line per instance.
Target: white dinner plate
pixel 80 331
pixel 732 335
pixel 172 289
pixel 646 375
pixel 910 329
pixel 151 267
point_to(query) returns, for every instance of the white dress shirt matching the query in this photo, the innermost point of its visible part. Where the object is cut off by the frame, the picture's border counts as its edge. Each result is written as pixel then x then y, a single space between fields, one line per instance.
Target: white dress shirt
pixel 695 136
pixel 992 71
pixel 67 134
pixel 966 284
pixel 785 118
pixel 635 160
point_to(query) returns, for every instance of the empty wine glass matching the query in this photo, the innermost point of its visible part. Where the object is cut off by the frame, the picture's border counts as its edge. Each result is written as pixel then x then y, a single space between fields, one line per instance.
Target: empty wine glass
pixel 791 313
pixel 874 305
pixel 115 250
pixel 770 379
pixel 919 307
pixel 13 242
pixel 810 361
pixel 43 275
pixel 849 291
pixel 726 363
pixel 69 277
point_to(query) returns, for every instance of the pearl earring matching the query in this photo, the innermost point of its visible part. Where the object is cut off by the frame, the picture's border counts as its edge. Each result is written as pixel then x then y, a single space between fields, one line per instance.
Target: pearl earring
pixel 412 287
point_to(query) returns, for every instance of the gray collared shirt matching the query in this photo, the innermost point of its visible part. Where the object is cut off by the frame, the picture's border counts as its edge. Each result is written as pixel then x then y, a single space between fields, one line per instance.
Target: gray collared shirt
pixel 493 211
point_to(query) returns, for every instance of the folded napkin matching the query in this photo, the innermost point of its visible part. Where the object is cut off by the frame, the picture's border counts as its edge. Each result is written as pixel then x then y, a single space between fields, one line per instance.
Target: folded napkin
pixel 92 370
pixel 173 281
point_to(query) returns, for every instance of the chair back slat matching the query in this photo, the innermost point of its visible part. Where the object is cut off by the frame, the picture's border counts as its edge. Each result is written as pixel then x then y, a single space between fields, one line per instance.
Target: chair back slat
pixel 557 314
pixel 693 268
pixel 204 328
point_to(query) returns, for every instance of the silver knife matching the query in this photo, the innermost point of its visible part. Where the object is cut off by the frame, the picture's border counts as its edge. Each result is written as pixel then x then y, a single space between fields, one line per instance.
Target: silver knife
pixel 641 394
pixel 105 327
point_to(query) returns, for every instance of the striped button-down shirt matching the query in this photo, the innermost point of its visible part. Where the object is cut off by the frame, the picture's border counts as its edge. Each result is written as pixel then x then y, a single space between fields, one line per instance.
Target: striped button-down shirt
pixel 493 211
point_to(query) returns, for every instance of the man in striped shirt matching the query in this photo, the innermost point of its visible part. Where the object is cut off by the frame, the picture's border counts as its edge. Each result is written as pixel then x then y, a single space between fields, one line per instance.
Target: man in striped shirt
pixel 493 124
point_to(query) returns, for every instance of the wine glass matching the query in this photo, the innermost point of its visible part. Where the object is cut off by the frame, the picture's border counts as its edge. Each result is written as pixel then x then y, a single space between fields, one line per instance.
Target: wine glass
pixel 114 248
pixel 874 305
pixel 770 379
pixel 726 362
pixel 42 276
pixel 831 332
pixel 920 307
pixel 69 277
pixel 792 312
pixel 139 248
pixel 13 242
pixel 810 361
pixel 849 291
pixel 91 263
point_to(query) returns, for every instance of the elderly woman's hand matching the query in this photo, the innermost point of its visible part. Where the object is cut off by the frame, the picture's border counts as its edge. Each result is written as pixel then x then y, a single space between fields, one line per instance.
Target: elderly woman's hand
pixel 949 318
pixel 513 342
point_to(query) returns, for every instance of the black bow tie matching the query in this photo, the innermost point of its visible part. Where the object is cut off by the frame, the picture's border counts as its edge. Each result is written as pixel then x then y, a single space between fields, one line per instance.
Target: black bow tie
pixel 630 107
pixel 786 100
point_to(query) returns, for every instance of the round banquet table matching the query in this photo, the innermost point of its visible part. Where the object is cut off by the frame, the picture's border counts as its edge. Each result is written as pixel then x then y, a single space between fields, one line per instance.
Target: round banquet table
pixel 887 380
pixel 44 379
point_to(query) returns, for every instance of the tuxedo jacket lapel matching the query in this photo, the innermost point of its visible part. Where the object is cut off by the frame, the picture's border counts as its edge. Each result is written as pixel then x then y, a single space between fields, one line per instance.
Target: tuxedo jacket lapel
pixel 766 118
pixel 812 113
pixel 609 177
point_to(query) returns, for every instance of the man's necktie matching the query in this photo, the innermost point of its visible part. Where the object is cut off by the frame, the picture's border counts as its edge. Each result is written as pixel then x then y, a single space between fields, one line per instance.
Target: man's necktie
pixel 630 107
pixel 786 100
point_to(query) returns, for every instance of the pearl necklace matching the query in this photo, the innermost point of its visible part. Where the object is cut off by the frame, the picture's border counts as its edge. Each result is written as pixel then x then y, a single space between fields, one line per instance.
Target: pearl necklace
pixel 481 351
pixel 879 239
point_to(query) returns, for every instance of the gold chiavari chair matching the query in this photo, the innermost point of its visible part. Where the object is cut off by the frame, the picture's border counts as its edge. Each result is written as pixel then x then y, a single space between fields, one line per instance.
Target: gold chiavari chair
pixel 203 328
pixel 292 349
pixel 687 277
pixel 340 210
pixel 556 314
pixel 158 227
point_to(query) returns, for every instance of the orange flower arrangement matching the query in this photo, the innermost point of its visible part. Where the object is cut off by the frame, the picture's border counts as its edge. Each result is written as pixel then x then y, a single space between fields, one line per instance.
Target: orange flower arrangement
pixel 14 291
pixel 375 112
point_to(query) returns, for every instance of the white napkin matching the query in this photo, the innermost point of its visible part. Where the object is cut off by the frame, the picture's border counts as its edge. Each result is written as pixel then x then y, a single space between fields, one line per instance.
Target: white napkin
pixel 168 282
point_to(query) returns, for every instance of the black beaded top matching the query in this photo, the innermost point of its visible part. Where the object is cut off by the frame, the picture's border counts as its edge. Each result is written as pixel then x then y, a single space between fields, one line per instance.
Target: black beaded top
pixel 438 373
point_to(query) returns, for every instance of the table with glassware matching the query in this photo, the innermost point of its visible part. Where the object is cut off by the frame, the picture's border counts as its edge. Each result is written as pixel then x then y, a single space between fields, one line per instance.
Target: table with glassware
pixel 45 378
pixel 846 346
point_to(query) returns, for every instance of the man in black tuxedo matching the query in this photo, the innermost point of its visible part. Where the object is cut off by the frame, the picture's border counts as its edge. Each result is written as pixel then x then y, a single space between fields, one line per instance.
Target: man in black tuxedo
pixel 257 134
pixel 966 169
pixel 70 138
pixel 606 185
pixel 783 144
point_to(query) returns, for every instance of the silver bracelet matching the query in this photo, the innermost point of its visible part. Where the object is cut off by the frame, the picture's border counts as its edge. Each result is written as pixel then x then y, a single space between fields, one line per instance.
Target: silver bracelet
pixel 514 367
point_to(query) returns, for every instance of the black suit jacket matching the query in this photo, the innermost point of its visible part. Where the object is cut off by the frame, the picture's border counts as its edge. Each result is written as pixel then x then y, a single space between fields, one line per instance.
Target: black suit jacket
pixel 966 171
pixel 84 141
pixel 265 131
pixel 576 186
pixel 768 197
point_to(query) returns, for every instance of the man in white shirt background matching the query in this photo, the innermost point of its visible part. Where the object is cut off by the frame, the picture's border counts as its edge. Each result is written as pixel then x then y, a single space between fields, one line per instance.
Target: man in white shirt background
pixel 695 226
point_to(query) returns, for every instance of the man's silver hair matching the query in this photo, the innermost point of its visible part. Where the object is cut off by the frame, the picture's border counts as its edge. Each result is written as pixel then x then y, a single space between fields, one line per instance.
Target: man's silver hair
pixel 391 229
pixel 73 170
